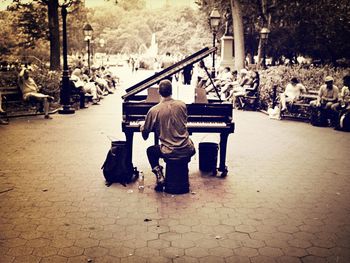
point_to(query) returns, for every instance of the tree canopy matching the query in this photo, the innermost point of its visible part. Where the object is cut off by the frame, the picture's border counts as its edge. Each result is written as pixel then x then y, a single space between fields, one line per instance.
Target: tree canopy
pixel 315 28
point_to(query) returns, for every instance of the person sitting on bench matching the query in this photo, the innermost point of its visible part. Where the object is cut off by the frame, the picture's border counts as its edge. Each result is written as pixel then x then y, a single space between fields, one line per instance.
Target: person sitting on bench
pixel 343 105
pixel 344 96
pixel 87 87
pixel 2 112
pixel 292 93
pixel 30 91
pixel 168 120
pixel 223 79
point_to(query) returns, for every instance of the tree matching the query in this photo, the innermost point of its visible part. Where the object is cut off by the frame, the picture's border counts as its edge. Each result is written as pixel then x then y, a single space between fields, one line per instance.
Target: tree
pixel 54 33
pixel 34 26
pixel 7 38
pixel 179 30
pixel 238 33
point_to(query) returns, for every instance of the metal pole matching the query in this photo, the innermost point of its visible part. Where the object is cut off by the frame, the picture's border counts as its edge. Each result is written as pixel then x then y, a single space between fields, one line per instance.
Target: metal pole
pixel 88 43
pixel 65 89
pixel 213 66
pixel 264 54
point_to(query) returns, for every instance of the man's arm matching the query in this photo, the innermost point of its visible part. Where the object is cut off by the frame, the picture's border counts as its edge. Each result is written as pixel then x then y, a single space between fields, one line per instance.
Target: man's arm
pixel 319 96
pixel 147 127
pixel 302 88
pixel 335 94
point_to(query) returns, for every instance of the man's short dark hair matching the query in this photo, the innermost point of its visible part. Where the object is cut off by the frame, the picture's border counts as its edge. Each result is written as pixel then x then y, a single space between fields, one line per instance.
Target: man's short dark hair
pixel 346 80
pixel 294 80
pixel 165 88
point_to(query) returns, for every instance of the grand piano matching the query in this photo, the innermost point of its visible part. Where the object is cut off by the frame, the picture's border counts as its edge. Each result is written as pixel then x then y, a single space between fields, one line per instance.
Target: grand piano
pixel 204 116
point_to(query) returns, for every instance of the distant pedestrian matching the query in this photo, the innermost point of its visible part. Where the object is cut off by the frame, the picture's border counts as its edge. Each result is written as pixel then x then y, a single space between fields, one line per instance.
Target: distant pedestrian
pixel 132 64
pixel 168 61
pixel 187 73
pixel 2 112
pixel 137 64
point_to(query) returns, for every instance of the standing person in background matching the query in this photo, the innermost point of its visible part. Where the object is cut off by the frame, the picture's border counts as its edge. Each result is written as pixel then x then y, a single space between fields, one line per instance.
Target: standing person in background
pixel 187 73
pixel 202 76
pixel 167 62
pixel 132 64
pixel 2 112
pixel 137 64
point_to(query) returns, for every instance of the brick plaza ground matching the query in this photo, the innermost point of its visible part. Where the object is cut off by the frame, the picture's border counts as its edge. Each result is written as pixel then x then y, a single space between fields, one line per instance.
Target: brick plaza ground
pixel 286 197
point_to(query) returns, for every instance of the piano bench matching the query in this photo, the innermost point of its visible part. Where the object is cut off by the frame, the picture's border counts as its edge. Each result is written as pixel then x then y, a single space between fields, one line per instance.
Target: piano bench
pixel 176 175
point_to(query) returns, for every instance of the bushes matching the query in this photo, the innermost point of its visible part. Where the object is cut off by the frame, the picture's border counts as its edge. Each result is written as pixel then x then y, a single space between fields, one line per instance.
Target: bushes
pixel 311 77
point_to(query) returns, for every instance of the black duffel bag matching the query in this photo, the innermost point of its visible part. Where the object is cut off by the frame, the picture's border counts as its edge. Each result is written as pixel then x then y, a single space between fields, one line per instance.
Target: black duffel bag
pixel 118 167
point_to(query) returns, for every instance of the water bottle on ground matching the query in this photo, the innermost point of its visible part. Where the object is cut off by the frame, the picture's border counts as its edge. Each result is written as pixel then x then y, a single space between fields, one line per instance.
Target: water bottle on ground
pixel 141 182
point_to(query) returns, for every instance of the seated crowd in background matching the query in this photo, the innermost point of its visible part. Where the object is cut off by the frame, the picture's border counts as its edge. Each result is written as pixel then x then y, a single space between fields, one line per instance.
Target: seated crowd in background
pixel 98 82
pixel 230 84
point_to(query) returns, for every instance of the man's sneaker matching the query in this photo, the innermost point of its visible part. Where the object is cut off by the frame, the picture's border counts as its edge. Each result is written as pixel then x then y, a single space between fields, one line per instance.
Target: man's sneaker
pixel 3 122
pixel 158 171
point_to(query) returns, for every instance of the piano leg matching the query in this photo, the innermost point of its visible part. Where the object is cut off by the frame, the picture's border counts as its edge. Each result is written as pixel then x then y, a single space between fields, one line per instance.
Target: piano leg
pixel 156 139
pixel 223 147
pixel 129 141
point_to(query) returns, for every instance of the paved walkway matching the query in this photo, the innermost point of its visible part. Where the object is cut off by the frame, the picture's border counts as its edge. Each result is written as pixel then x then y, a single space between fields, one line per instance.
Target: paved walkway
pixel 286 198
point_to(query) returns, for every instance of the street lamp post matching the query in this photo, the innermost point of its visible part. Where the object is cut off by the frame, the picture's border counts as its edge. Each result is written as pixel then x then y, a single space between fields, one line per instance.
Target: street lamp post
pixel 102 44
pixel 264 35
pixel 214 24
pixel 65 88
pixel 88 36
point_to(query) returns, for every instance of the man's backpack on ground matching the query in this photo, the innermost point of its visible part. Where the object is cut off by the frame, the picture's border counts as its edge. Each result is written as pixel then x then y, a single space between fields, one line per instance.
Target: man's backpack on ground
pixel 117 167
pixel 343 123
pixel 318 118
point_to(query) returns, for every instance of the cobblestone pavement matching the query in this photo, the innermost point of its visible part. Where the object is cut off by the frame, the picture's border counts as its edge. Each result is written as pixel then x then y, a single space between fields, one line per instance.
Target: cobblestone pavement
pixel 285 199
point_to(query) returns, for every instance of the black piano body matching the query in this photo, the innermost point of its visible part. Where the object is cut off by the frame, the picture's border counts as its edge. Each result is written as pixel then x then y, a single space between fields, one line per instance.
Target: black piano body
pixel 213 117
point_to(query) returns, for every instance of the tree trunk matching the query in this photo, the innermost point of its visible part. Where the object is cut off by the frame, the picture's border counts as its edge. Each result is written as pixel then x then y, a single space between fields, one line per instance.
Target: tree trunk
pixel 54 35
pixel 259 53
pixel 238 34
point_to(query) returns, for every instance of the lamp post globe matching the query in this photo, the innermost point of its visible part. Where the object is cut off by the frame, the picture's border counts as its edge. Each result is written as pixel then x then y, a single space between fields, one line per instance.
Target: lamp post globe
pixel 264 35
pixel 88 36
pixel 214 24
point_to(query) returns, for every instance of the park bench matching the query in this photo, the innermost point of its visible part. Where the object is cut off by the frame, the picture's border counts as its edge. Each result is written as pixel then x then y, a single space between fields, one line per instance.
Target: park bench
pixel 251 99
pixel 300 109
pixel 12 99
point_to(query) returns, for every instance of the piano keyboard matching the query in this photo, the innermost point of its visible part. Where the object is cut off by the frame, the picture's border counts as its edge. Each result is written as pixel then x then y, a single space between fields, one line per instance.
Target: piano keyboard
pixel 189 124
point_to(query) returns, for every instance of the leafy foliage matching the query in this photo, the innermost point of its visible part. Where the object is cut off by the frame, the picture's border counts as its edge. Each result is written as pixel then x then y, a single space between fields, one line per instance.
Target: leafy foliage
pixel 179 30
pixel 30 22
pixel 318 29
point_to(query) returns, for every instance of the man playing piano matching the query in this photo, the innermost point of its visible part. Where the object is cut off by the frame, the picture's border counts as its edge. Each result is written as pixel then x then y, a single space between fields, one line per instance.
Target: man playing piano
pixel 168 120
